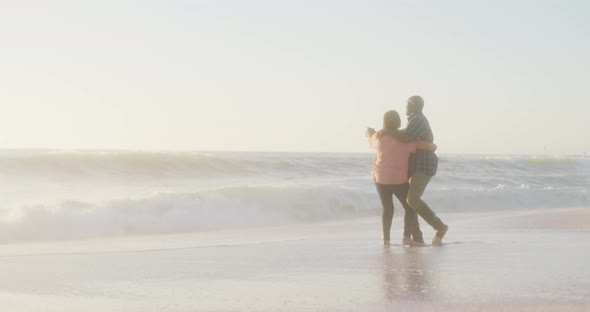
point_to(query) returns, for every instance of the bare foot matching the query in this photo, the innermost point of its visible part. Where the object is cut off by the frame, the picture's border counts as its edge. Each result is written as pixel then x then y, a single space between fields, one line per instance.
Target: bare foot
pixel 410 242
pixel 437 240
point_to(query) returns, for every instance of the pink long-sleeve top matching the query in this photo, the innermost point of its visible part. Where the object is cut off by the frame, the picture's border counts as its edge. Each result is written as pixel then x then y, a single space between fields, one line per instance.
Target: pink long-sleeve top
pixel 391 159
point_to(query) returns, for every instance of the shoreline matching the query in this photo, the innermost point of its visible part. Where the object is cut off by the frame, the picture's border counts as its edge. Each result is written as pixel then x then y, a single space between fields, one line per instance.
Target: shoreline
pixel 337 266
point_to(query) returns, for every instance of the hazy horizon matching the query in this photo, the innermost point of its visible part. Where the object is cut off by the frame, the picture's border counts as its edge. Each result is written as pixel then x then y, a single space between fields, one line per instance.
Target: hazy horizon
pixel 503 78
pixel 367 152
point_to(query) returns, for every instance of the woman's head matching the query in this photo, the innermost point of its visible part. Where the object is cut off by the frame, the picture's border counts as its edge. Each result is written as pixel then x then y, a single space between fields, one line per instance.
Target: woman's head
pixel 391 124
pixel 391 121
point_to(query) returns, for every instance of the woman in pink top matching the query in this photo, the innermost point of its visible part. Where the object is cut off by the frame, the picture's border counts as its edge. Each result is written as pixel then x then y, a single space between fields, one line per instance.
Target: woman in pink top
pixel 390 173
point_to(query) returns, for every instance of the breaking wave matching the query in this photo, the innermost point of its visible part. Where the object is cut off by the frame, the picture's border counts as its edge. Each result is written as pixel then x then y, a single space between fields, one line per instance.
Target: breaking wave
pixel 66 195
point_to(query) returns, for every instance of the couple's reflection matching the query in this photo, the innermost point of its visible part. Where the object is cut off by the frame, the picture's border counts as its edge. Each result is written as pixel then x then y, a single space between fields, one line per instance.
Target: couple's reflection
pixel 407 275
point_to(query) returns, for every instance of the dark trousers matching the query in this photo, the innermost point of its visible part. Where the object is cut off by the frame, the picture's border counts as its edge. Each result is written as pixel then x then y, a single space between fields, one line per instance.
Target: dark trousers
pixel 411 225
pixel 418 183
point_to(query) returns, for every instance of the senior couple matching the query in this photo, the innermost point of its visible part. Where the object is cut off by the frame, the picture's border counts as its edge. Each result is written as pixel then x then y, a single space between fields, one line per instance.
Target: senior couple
pixel 404 164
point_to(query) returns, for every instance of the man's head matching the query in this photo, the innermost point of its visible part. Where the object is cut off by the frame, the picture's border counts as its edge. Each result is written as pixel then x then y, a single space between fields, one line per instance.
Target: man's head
pixel 415 105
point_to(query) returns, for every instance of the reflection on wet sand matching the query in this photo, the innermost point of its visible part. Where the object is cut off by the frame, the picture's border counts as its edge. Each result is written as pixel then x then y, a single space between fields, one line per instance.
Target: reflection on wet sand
pixel 407 275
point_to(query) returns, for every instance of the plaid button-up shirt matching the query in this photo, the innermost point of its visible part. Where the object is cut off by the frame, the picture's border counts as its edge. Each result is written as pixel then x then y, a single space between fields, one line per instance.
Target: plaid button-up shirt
pixel 423 161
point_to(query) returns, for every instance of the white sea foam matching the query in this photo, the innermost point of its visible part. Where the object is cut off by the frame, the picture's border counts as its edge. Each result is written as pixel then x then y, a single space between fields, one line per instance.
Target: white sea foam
pixel 58 195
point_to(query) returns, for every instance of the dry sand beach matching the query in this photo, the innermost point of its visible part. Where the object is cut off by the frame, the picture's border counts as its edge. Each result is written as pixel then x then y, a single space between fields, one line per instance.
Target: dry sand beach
pixel 533 261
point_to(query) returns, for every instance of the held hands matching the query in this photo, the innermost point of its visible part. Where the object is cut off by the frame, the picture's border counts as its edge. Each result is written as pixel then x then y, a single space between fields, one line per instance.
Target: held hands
pixel 369 132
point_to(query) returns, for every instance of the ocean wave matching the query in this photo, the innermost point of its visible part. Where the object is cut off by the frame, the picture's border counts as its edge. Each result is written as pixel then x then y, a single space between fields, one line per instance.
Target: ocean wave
pixel 193 165
pixel 201 164
pixel 168 212
pixel 251 205
pixel 138 164
pixel 79 194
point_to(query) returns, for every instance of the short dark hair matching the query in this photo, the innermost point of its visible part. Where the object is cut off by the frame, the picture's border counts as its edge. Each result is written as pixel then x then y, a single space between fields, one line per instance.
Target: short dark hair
pixel 418 101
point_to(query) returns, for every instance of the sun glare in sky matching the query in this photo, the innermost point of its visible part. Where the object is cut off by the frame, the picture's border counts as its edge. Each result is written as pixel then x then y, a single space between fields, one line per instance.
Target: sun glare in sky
pixel 308 76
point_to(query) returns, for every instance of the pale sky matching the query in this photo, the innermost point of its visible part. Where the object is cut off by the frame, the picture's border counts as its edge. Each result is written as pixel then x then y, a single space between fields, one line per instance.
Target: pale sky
pixel 308 76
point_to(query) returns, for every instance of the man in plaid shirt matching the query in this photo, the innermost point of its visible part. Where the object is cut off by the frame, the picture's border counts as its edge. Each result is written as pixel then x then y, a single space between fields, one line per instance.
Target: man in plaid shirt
pixel 423 166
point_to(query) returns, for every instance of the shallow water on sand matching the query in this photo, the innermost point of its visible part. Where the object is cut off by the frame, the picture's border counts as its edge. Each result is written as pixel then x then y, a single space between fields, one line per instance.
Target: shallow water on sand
pixel 332 266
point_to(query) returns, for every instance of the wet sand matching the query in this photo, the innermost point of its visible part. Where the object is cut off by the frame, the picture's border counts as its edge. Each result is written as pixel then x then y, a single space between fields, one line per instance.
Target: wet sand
pixel 521 261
